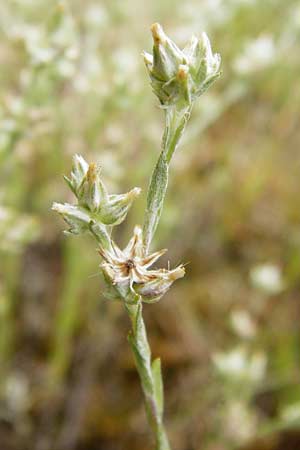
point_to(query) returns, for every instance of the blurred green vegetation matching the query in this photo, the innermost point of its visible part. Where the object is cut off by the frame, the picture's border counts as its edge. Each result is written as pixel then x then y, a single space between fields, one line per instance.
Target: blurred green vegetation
pixel 72 80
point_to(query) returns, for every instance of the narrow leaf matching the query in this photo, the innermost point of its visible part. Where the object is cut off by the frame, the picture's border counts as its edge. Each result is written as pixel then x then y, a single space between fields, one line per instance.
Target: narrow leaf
pixel 142 366
pixel 158 385
pixel 156 194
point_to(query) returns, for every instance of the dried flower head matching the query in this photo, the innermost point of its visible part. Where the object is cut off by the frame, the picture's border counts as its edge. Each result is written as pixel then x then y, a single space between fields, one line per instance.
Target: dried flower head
pixel 127 272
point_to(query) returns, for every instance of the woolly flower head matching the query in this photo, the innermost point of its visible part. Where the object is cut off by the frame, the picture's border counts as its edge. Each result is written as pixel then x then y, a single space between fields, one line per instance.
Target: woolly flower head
pixel 180 76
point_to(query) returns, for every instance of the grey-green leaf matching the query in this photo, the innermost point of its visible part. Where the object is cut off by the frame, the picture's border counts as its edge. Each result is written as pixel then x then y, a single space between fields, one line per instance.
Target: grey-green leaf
pixel 156 194
pixel 158 385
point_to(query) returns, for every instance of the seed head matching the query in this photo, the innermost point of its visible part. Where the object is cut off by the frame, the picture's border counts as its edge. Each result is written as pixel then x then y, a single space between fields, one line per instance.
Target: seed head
pixel 127 271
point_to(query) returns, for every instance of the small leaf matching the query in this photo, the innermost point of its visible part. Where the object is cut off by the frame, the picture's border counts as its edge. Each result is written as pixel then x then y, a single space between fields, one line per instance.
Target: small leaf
pixel 156 194
pixel 70 184
pixel 142 364
pixel 99 231
pixel 140 335
pixel 158 385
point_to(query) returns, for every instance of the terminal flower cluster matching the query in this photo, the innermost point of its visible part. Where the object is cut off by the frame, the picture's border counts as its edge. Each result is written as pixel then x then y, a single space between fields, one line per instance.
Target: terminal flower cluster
pixel 180 76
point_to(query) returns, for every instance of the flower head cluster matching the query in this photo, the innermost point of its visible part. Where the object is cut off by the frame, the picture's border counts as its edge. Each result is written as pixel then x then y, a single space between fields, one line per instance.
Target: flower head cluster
pixel 94 204
pixel 126 271
pixel 180 75
pixel 128 276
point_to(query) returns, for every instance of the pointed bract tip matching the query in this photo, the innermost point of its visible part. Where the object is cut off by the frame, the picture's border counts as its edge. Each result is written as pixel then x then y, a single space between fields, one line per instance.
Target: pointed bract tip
pixel 135 192
pixel 182 72
pixel 92 172
pixel 177 273
pixel 158 33
pixel 80 163
pixel 148 59
pixel 56 206
pixel 78 157
pixel 137 230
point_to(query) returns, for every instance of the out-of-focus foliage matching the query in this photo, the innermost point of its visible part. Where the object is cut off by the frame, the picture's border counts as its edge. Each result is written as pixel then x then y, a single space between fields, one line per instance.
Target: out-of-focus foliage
pixel 72 81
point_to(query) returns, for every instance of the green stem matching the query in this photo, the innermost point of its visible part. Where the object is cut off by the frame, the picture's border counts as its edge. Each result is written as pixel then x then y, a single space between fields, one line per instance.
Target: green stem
pixel 175 122
pixel 102 234
pixel 150 375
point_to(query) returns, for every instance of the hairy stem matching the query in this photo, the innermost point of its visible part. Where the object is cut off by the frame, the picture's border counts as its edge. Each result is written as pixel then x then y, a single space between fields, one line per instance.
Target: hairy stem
pixel 150 375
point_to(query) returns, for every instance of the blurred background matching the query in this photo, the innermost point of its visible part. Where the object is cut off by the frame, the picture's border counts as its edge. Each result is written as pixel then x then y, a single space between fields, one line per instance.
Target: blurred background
pixel 72 80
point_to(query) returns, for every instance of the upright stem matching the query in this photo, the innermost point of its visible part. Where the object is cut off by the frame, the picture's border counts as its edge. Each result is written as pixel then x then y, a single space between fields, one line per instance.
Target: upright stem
pixel 150 375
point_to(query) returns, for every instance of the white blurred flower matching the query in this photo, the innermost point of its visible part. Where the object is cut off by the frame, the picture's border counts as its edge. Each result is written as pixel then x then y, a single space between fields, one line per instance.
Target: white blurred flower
pixel 258 55
pixel 8 125
pixel 90 76
pixel 15 105
pixel 66 68
pixel 291 413
pixel 240 423
pixel 41 55
pixel 267 278
pixel 4 214
pixel 30 34
pixel 92 65
pixel 17 392
pixel 64 35
pixel 243 324
pixel 232 363
pixel 35 42
pixel 295 19
pixel 114 133
pixel 16 229
pixel 125 58
pixel 238 364
pixel 81 83
pixel 72 52
pixel 96 15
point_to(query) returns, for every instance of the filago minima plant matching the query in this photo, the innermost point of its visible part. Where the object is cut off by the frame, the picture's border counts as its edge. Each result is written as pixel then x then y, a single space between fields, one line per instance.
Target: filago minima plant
pixel 178 78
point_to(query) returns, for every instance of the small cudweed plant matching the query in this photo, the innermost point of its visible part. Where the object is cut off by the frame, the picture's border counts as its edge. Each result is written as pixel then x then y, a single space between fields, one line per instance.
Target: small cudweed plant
pixel 178 78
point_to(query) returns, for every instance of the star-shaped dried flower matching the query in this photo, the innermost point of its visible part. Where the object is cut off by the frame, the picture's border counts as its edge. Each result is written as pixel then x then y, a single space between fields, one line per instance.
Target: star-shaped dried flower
pixel 127 272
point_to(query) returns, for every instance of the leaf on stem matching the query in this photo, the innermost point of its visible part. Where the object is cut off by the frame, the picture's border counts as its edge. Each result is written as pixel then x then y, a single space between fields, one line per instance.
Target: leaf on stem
pixel 155 199
pixel 158 385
